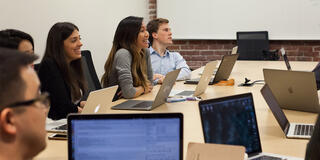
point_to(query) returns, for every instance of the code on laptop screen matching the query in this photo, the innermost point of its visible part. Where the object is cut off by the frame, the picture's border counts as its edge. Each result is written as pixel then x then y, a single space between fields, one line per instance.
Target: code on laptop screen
pixel 231 121
pixel 123 139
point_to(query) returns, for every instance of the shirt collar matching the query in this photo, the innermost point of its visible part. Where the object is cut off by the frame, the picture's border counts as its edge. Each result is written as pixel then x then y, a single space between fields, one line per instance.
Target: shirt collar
pixel 152 51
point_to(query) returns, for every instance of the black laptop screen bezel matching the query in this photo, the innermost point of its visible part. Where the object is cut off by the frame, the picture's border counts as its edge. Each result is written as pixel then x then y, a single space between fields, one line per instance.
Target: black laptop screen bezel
pixel 217 100
pixel 72 117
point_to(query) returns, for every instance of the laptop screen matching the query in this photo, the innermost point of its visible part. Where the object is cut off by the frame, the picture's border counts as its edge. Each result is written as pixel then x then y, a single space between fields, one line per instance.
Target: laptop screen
pixel 275 107
pixel 126 136
pixel 225 67
pixel 231 120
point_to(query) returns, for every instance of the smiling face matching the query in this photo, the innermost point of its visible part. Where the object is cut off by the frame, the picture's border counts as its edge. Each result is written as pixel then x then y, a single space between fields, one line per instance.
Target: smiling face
pixel 143 36
pixel 72 46
pixel 164 34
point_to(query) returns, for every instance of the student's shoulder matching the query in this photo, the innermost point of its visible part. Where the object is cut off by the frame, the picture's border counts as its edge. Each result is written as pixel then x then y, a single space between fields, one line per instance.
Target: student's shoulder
pixel 123 53
pixel 175 54
pixel 48 65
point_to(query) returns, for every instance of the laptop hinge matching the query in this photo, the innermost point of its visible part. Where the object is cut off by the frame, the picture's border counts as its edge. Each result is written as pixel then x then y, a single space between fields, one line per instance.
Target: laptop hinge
pixel 286 129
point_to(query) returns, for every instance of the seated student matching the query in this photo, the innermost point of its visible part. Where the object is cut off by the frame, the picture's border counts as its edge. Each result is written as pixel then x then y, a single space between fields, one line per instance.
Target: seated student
pixel 316 71
pixel 15 39
pixel 60 71
pixel 313 147
pixel 128 64
pixel 162 60
pixel 23 109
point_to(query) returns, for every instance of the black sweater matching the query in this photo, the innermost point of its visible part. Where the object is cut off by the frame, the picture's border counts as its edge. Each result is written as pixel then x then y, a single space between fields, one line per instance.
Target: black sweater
pixel 313 147
pixel 60 96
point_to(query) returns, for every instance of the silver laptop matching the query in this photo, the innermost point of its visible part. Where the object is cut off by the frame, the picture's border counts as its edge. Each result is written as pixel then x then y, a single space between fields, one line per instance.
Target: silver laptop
pixel 291 130
pixel 295 90
pixel 98 101
pixel 223 71
pixel 285 58
pixel 161 96
pixel 203 83
pixel 232 120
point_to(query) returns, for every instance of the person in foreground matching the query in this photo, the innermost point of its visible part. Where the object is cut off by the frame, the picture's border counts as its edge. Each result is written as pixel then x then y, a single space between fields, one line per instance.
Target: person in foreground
pixel 313 147
pixel 23 109
pixel 162 60
pixel 128 64
pixel 60 71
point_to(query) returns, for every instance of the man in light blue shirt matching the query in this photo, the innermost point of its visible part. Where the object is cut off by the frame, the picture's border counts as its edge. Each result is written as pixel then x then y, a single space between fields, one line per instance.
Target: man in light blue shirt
pixel 162 60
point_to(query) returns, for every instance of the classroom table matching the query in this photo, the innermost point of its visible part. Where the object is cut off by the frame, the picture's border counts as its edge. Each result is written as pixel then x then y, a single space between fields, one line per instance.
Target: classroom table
pixel 272 138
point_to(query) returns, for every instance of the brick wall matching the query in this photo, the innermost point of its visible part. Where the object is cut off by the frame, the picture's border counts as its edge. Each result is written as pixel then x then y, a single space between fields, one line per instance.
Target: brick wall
pixel 198 52
pixel 152 9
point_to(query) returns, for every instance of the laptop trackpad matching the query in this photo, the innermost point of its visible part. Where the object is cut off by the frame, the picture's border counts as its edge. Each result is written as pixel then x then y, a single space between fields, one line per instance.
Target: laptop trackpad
pixel 144 104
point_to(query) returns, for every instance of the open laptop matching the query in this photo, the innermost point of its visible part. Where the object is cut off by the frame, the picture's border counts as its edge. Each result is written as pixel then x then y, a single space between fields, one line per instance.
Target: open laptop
pixel 160 99
pixel 316 69
pixel 295 90
pixel 125 136
pixel 291 130
pixel 285 58
pixel 203 83
pixel 223 71
pixel 98 101
pixel 232 120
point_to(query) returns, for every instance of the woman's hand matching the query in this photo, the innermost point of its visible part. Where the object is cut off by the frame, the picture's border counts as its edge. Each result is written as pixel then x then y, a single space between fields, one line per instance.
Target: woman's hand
pixel 83 103
pixel 79 109
pixel 149 88
pixel 159 78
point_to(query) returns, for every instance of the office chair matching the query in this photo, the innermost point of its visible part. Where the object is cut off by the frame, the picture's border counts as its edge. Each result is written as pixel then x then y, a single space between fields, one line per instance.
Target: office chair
pixel 255 46
pixel 89 73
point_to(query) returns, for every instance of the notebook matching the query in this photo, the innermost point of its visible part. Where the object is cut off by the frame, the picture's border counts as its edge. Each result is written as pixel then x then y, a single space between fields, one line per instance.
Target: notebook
pixel 125 136
pixel 291 130
pixel 98 101
pixel 223 71
pixel 209 151
pixel 202 85
pixel 294 90
pixel 232 120
pixel 160 99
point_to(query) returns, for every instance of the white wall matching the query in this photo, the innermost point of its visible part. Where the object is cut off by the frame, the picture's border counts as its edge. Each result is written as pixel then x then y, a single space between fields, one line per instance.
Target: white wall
pixel 221 19
pixel 96 19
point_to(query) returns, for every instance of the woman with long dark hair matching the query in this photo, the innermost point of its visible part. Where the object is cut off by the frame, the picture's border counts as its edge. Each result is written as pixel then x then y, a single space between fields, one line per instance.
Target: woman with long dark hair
pixel 128 64
pixel 60 70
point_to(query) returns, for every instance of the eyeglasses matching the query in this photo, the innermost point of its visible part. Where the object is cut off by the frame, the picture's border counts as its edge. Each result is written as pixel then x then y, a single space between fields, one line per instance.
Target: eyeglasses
pixel 43 98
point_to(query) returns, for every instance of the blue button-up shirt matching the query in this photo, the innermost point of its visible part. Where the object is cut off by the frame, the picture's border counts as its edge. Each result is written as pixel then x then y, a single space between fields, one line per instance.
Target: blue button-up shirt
pixel 169 62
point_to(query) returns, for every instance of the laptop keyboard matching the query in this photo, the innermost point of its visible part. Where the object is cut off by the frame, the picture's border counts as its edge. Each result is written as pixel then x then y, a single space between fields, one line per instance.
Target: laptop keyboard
pixel 185 93
pixel 264 157
pixel 303 130
pixel 63 127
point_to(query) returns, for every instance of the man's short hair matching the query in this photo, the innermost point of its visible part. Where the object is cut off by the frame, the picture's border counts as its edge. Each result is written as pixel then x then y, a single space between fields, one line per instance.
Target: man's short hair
pixel 153 26
pixel 12 86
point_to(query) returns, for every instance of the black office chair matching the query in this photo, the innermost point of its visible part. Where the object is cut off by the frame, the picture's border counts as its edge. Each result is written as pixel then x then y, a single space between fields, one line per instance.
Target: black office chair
pixel 89 73
pixel 255 46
